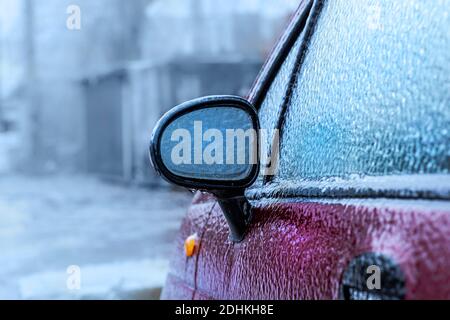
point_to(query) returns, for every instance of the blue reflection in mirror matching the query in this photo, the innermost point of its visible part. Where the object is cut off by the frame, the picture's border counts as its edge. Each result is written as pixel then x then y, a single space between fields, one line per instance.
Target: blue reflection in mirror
pixel 214 143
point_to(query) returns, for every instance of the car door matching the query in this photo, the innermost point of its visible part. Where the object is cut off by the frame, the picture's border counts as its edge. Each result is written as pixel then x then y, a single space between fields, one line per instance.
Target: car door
pixel 360 205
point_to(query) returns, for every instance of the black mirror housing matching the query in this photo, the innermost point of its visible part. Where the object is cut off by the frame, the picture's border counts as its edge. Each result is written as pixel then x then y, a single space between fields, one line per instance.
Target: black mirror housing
pixel 229 163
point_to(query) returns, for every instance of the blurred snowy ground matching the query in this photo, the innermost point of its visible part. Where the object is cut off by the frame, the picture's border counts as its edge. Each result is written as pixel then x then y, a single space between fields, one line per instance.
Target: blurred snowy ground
pixel 120 237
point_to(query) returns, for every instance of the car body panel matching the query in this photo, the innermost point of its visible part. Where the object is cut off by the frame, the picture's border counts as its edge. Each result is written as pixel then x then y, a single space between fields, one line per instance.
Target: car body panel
pixel 300 249
pixel 181 281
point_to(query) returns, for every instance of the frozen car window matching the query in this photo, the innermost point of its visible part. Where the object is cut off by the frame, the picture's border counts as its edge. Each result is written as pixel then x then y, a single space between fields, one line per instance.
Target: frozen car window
pixel 268 112
pixel 372 97
pixel 269 109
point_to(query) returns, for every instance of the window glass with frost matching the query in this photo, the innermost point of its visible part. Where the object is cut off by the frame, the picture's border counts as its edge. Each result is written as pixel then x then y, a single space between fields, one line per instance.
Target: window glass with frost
pixel 270 107
pixel 372 97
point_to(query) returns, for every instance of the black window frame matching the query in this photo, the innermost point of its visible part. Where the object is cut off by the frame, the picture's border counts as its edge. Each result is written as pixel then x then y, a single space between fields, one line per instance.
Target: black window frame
pixel 278 55
pixel 300 29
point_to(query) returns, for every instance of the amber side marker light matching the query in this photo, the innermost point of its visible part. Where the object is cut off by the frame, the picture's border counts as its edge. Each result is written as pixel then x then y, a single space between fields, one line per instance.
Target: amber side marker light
pixel 190 245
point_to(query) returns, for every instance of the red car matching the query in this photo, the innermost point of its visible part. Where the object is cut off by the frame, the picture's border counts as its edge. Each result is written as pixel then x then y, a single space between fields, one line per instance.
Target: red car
pixel 349 195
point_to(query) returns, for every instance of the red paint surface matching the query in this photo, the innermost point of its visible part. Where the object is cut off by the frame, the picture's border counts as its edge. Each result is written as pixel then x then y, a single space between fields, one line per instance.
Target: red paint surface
pixel 300 250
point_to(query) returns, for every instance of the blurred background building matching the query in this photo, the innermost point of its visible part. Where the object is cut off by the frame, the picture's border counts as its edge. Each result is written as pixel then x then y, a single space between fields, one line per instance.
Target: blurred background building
pixel 78 102
pixel 86 99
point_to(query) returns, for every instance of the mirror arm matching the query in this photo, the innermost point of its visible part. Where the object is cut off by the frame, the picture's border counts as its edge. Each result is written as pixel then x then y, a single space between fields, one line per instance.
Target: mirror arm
pixel 237 211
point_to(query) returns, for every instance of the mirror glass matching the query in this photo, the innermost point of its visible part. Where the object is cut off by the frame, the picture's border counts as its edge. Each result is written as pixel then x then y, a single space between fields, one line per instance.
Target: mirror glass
pixel 212 143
